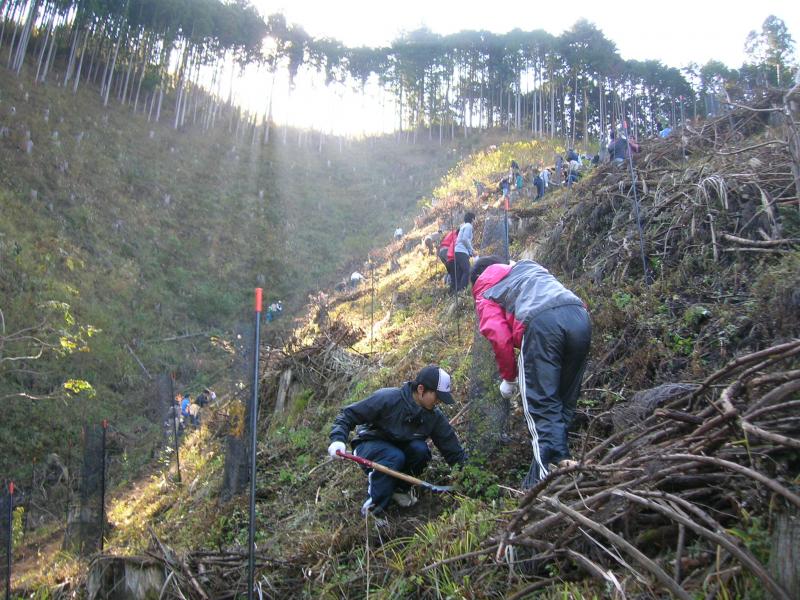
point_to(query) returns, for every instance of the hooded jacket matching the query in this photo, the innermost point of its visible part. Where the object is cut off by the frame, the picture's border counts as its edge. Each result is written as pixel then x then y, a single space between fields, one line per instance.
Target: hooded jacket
pixel 507 298
pixel 392 415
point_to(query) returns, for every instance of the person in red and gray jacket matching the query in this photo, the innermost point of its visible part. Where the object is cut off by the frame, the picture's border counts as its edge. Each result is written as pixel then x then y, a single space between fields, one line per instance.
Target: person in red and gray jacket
pixel 524 307
pixel 447 254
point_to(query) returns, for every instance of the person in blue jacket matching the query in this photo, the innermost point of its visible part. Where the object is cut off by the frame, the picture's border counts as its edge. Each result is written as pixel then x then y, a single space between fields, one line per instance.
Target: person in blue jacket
pixel 394 425
pixel 185 402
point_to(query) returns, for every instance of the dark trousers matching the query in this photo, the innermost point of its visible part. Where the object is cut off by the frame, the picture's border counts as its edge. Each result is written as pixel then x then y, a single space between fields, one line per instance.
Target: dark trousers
pixel 555 349
pixel 448 265
pixel 410 458
pixel 461 271
pixel 539 189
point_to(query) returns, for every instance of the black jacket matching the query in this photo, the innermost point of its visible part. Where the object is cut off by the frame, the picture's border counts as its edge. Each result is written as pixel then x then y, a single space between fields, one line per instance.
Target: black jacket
pixel 390 414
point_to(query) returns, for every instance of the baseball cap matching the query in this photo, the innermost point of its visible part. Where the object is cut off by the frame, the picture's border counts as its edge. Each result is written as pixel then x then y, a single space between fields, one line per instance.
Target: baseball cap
pixel 436 378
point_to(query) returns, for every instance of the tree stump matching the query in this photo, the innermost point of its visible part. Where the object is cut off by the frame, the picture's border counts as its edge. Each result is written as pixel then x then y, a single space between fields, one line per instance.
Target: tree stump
pixel 784 558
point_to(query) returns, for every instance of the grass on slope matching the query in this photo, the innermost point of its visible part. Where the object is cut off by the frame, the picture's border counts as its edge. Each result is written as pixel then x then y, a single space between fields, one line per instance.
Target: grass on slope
pixel 148 234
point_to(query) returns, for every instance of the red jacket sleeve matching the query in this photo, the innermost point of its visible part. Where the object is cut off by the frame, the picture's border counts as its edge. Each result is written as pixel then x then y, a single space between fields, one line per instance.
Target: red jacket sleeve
pixel 494 325
pixel 451 246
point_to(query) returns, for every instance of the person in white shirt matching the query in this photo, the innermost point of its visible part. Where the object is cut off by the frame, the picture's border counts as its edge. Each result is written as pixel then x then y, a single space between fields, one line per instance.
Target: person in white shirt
pixel 463 252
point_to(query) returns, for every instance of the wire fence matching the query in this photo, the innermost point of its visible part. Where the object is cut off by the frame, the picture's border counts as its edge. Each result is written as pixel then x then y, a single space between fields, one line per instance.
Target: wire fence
pixel 236 474
pixel 489 412
pixel 85 513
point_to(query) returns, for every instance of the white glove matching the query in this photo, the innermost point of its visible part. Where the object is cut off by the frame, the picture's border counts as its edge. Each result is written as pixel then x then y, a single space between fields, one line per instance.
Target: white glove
pixel 508 388
pixel 335 447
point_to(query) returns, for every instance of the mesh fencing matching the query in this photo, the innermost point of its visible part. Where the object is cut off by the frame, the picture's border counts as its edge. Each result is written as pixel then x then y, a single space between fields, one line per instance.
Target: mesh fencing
pixel 5 532
pixel 236 473
pixel 489 412
pixel 85 513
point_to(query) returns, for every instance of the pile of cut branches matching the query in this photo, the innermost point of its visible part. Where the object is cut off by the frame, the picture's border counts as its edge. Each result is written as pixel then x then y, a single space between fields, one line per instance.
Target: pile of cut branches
pixel 714 192
pixel 683 483
pixel 325 363
pixel 222 574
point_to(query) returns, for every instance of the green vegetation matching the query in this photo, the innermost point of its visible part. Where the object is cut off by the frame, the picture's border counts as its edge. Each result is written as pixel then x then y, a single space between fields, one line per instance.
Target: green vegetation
pixel 133 249
pixel 169 238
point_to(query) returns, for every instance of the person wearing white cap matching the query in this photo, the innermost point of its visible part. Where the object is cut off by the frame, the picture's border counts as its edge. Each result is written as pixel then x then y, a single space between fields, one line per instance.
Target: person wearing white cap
pixel 394 425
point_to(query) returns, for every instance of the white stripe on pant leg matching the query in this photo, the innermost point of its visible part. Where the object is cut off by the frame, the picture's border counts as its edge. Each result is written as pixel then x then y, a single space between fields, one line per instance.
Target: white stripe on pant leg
pixel 528 417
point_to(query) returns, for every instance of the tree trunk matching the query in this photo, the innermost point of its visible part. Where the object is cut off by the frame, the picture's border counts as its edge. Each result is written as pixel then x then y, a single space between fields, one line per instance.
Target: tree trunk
pixel 51 55
pixel 784 560
pixel 14 33
pixel 25 37
pixel 112 67
pixel 77 78
pixel 44 47
pixel 3 18
pixel 73 49
pixel 129 72
pixel 552 107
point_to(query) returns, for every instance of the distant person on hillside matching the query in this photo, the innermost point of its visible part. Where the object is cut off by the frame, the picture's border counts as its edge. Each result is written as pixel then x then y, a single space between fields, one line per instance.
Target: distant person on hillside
pixel 394 425
pixel 538 183
pixel 185 403
pixel 480 189
pixel 203 398
pixel 194 414
pixel 558 173
pixel 463 252
pixel 504 186
pixel 573 173
pixel 447 254
pixel 398 233
pixel 620 148
pixel 572 155
pixel 431 241
pixel 545 175
pixel 356 279
pixel 524 307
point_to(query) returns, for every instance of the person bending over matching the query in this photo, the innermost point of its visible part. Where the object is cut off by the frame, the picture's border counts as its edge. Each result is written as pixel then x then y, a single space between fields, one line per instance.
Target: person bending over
pixel 524 307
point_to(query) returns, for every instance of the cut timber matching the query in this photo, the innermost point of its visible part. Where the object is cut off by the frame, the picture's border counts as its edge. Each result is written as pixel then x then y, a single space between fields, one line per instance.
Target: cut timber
pixel 784 561
pixel 284 383
pixel 124 577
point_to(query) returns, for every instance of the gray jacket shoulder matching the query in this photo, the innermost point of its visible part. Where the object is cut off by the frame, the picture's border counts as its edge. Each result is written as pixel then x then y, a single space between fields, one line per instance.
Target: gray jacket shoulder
pixel 529 289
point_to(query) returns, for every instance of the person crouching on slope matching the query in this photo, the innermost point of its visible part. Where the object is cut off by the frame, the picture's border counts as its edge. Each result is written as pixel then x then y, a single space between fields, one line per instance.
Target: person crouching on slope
pixel 447 254
pixel 523 306
pixel 394 426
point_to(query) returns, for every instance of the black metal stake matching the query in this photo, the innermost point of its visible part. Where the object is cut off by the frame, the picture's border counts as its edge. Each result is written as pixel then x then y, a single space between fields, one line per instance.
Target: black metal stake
pixel 253 416
pixel 683 129
pixel 505 230
pixel 174 418
pixel 69 492
pixel 9 542
pixel 372 316
pixel 103 489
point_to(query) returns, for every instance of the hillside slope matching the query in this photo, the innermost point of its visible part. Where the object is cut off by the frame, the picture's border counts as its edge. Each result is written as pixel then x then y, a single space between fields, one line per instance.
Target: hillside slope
pixel 133 248
pixel 712 313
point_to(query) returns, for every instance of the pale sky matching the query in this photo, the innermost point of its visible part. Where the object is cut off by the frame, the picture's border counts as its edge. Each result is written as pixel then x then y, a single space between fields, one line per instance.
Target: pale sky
pixel 675 32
